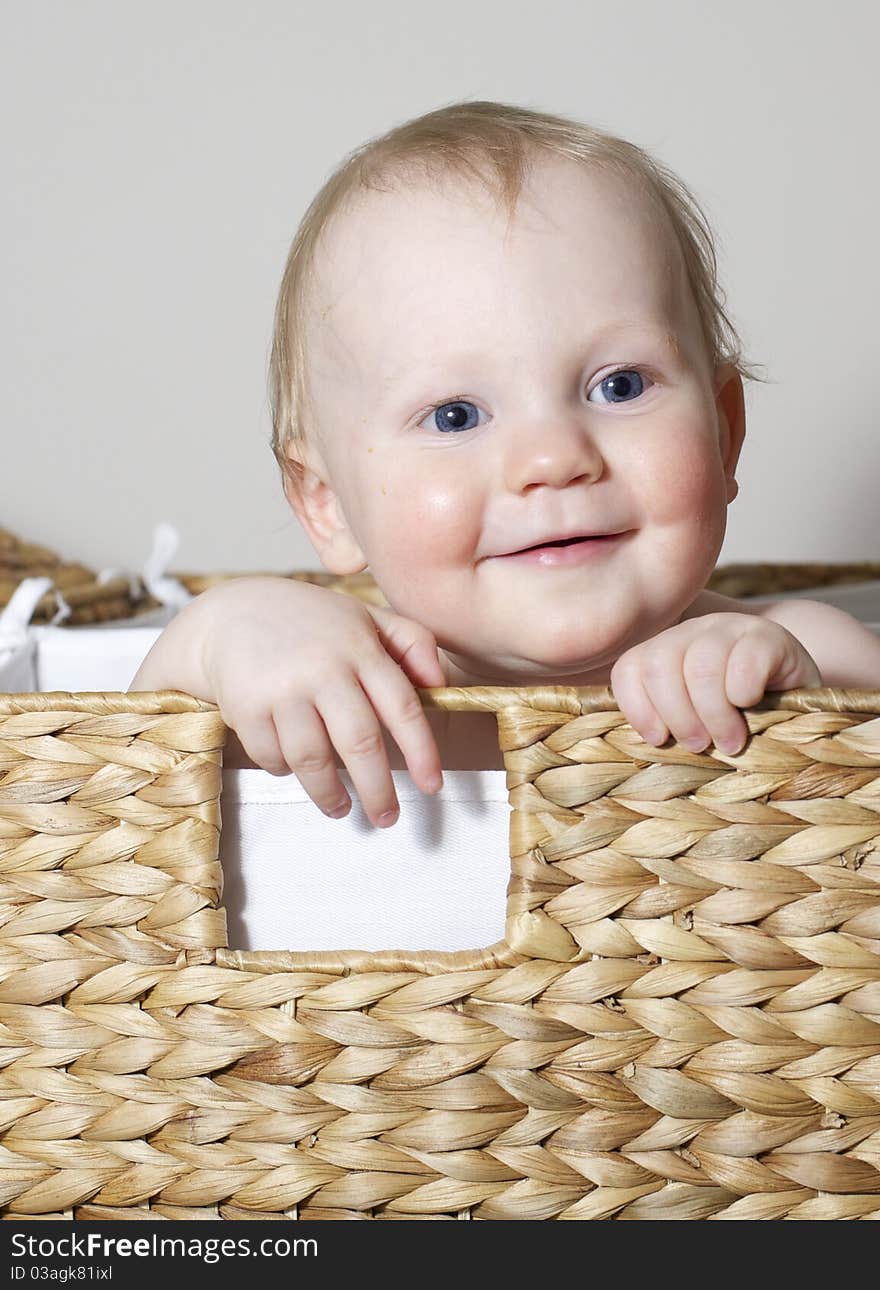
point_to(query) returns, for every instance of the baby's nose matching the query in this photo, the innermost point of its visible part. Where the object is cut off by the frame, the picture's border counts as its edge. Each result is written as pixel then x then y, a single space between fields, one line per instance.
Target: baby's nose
pixel 552 453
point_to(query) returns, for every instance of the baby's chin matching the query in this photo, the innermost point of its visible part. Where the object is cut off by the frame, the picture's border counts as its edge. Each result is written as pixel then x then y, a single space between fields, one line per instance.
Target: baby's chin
pixel 463 669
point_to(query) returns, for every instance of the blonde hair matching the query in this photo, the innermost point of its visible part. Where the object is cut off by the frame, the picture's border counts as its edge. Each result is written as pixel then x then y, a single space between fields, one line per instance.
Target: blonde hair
pixel 491 143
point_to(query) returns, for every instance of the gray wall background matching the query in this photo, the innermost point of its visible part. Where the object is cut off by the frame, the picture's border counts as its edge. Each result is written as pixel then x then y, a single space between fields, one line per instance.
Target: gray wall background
pixel 158 156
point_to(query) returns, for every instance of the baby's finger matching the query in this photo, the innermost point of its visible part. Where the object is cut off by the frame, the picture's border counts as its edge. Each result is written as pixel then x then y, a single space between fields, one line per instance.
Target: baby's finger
pixel 258 737
pixel 308 752
pixel 410 645
pixel 704 667
pixel 397 702
pixel 632 699
pixel 355 732
pixel 768 658
pixel 664 683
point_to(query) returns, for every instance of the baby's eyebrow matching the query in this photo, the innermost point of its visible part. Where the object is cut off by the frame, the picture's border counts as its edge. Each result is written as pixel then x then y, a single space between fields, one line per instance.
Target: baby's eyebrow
pixel 661 333
pixel 671 341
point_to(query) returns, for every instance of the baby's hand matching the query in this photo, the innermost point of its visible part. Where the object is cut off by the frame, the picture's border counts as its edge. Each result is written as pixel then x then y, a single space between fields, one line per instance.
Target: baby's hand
pixel 690 679
pixel 298 670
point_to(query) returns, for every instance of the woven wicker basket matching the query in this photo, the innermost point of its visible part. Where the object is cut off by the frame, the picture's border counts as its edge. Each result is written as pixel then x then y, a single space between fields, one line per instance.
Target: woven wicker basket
pixel 682 1022
pixel 91 601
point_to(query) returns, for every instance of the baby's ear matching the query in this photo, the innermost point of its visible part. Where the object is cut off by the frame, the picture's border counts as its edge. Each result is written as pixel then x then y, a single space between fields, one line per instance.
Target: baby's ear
pixel 320 513
pixel 731 408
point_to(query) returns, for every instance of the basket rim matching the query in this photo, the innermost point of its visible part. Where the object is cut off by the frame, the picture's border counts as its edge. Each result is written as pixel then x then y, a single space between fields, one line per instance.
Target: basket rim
pixel 575 700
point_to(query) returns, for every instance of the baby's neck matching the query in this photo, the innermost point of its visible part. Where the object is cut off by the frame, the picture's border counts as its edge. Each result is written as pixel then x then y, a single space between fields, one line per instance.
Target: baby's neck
pixel 459 673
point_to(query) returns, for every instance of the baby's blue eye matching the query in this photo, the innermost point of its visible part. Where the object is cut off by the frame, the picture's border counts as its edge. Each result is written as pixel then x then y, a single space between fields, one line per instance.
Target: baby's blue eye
pixel 460 415
pixel 619 387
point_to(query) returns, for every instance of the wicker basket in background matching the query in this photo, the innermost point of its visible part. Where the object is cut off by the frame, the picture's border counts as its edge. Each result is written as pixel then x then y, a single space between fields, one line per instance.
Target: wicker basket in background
pixel 683 1020
pixel 90 601
pixel 118 598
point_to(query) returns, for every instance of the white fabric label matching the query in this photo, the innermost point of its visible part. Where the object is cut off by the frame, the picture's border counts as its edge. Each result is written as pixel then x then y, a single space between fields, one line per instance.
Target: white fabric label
pixel 296 880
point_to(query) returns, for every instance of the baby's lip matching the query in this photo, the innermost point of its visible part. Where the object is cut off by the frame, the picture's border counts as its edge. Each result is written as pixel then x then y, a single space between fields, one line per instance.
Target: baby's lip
pixel 562 537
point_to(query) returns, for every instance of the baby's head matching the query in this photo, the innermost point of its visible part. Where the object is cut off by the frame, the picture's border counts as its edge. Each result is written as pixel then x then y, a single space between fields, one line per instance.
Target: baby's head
pixel 498 328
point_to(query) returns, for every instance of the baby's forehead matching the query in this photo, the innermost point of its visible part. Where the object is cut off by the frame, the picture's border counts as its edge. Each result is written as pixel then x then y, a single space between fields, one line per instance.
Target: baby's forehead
pixel 388 255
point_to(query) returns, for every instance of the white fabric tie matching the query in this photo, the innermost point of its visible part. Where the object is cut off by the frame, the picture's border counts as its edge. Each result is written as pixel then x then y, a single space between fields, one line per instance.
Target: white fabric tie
pixel 15 617
pixel 167 590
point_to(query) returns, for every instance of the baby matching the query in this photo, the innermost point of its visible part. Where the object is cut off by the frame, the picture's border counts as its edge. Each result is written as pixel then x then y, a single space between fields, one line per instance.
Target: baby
pixel 503 379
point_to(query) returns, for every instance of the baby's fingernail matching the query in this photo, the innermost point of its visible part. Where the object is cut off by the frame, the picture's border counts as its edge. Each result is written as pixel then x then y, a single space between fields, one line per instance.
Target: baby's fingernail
pixel 434 784
pixel 388 818
pixel 339 811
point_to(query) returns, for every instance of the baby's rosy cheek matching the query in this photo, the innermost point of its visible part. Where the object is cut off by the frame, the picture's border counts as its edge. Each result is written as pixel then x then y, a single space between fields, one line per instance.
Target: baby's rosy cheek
pixel 689 483
pixel 442 519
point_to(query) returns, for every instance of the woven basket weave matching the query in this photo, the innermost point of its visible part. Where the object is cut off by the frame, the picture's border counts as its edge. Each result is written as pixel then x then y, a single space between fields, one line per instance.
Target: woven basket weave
pixel 682 1022
pixel 88 600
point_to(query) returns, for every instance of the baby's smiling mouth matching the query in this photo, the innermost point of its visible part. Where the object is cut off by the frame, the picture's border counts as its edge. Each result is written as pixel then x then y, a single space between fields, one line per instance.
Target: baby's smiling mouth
pixel 561 542
pixel 565 551
pixel 580 539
